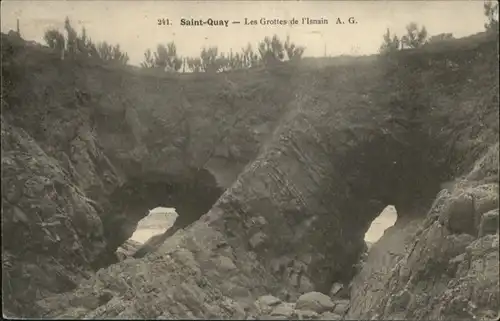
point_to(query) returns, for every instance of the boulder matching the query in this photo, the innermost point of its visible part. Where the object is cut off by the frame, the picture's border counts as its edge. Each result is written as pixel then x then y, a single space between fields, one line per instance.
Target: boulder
pixel 341 307
pixel 306 315
pixel 266 303
pixel 489 223
pixel 284 309
pixel 314 301
pixel 458 214
pixel 268 300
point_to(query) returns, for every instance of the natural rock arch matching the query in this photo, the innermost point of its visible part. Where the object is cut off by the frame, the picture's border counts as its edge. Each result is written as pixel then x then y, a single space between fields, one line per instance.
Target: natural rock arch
pixel 191 196
pixel 358 179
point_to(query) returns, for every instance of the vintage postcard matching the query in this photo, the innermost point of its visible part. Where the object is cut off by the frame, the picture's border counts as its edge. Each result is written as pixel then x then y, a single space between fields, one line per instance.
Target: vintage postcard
pixel 248 160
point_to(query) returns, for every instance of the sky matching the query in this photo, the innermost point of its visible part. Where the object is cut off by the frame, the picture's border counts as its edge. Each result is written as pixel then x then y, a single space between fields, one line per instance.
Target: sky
pixel 134 24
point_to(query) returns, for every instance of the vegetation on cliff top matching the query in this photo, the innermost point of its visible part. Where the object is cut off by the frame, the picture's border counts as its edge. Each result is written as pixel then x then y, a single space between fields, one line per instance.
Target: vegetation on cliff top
pixel 270 51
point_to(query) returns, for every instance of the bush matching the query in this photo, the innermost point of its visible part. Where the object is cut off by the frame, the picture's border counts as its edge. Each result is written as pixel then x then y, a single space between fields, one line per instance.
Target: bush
pixel 491 12
pixel 74 45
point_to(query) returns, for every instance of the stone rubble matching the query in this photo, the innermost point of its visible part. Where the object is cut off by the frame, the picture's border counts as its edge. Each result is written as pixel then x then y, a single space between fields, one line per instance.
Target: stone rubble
pixel 309 306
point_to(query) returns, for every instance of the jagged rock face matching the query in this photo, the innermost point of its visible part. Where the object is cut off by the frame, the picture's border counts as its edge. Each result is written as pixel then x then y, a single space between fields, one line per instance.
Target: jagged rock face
pixel 127 249
pixel 205 278
pixel 293 221
pixel 51 232
pixel 442 267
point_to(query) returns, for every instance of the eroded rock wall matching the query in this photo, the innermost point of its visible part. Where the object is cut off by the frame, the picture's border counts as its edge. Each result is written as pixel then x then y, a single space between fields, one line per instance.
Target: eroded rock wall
pixel 51 232
pixel 441 267
pixel 95 137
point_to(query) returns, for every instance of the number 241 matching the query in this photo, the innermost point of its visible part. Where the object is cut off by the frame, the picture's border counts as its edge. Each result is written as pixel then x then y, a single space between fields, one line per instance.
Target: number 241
pixel 163 22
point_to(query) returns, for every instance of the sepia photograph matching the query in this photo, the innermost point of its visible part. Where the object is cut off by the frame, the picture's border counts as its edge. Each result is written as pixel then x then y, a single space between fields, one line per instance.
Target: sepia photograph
pixel 250 160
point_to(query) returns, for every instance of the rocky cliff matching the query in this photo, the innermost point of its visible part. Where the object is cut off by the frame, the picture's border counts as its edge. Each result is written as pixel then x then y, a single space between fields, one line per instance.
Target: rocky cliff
pixel 276 176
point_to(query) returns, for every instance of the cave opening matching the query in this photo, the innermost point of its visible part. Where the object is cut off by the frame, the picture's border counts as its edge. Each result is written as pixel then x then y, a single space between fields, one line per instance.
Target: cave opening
pixel 156 222
pixel 380 224
pixel 151 198
pixel 359 245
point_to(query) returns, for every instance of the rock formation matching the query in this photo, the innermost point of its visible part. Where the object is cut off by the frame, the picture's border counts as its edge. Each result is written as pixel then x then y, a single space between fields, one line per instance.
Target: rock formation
pixel 127 249
pixel 87 149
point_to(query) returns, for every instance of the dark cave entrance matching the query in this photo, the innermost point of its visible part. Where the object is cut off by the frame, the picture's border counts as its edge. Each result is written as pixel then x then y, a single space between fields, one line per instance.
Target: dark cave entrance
pixel 363 236
pixel 191 197
pixel 377 173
